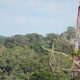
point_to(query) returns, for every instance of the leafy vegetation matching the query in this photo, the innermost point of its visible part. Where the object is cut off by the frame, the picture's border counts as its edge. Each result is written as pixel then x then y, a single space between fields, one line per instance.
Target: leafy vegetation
pixel 23 58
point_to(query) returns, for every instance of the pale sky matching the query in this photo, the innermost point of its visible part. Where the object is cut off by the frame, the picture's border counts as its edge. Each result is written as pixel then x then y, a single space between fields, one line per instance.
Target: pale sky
pixel 36 16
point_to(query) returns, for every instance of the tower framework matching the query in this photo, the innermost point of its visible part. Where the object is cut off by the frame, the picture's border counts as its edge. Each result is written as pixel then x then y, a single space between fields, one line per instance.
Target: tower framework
pixel 77 40
pixel 77 46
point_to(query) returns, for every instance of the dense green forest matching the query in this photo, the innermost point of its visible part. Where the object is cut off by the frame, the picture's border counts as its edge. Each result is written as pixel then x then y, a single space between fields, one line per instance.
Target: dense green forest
pixel 23 58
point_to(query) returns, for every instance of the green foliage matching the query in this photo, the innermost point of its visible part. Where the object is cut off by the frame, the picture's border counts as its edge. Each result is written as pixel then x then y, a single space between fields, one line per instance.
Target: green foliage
pixel 23 58
pixel 22 63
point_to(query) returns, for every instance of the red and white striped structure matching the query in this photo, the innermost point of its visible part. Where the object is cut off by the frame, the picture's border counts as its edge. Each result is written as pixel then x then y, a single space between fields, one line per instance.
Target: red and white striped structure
pixel 78 19
pixel 76 68
pixel 77 40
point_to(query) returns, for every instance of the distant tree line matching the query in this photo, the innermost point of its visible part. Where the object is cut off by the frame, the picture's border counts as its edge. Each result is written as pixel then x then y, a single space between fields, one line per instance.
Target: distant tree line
pixel 23 58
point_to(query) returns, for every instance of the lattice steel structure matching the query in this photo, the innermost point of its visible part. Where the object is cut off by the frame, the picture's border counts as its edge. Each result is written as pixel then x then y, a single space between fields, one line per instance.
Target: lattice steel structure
pixel 77 39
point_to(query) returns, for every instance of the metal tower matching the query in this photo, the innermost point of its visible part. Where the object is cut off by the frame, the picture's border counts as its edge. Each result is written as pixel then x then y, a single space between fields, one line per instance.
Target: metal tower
pixel 77 40
pixel 76 68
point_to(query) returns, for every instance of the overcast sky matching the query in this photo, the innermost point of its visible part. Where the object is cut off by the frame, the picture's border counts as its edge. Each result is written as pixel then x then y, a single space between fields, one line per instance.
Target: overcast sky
pixel 36 16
